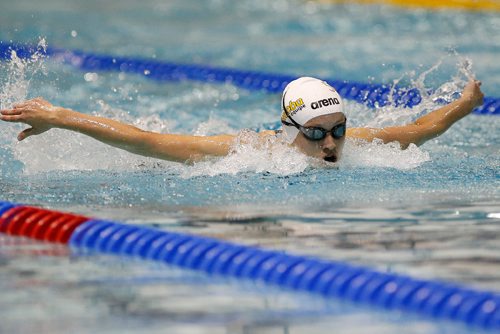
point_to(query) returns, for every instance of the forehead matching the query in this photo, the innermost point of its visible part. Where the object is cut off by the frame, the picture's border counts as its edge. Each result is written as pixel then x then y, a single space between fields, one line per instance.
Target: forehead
pixel 326 121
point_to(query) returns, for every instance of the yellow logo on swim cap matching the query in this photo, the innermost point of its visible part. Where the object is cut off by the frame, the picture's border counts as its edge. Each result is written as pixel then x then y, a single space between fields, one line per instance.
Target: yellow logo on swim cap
pixel 284 116
pixel 294 106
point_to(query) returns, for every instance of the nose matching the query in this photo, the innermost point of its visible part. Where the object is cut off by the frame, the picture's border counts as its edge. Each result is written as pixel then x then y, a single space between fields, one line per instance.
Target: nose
pixel 328 144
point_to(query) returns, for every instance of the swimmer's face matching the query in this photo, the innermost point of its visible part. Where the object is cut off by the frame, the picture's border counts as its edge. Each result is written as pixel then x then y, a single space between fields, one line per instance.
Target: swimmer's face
pixel 328 148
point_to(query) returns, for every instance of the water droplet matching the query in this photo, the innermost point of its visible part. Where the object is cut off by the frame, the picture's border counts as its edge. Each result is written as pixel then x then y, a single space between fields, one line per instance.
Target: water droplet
pixel 91 76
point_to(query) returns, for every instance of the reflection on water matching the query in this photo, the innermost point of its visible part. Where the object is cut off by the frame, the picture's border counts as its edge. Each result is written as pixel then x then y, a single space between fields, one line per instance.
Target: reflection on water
pixel 60 292
pixel 66 294
pixel 442 241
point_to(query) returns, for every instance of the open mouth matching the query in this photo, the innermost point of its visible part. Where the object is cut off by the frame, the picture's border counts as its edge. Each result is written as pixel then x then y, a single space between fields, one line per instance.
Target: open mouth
pixel 332 158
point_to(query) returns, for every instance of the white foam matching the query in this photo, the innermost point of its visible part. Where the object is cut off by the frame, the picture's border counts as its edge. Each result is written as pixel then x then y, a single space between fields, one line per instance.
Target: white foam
pixel 377 154
pixel 251 154
pixel 277 157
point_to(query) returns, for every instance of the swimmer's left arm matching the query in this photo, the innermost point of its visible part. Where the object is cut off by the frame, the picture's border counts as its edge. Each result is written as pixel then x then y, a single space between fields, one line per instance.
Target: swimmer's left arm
pixel 42 116
pixel 429 126
pixel 185 148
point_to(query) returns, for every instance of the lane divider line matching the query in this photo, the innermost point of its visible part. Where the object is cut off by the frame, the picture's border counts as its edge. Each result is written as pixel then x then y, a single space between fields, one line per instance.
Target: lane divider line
pixel 476 5
pixel 372 95
pixel 330 279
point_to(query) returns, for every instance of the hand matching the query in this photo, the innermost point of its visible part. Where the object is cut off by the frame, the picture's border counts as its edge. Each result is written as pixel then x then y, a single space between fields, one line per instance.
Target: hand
pixel 38 113
pixel 472 93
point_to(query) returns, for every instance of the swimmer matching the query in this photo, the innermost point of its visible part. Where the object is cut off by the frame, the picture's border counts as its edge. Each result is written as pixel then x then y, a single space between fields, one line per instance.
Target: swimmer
pixel 312 117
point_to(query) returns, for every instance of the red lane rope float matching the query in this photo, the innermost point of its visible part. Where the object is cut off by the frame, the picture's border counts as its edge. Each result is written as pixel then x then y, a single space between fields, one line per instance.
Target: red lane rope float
pixel 17 218
pixel 27 227
pixel 31 224
pixel 40 224
pixel 6 217
pixel 64 228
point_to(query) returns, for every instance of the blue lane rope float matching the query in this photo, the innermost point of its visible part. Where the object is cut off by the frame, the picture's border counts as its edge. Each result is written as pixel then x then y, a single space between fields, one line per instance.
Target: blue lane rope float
pixel 330 279
pixel 371 95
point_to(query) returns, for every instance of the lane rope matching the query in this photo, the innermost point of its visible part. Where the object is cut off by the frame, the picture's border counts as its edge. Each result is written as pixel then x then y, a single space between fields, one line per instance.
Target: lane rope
pixel 372 95
pixel 330 279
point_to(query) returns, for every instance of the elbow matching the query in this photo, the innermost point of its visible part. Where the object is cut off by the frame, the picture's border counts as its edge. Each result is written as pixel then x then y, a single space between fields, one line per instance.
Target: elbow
pixel 145 143
pixel 423 133
pixel 166 147
pixel 434 128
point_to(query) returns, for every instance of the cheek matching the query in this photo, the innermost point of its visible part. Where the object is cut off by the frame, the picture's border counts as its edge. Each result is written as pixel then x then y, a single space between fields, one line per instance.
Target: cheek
pixel 306 146
pixel 312 147
pixel 340 144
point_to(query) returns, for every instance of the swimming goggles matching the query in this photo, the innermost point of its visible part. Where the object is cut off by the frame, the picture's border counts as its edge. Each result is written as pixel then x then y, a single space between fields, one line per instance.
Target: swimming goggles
pixel 316 133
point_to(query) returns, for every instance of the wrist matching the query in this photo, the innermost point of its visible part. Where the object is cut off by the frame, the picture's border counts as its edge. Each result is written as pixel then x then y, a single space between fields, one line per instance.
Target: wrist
pixel 468 101
pixel 59 117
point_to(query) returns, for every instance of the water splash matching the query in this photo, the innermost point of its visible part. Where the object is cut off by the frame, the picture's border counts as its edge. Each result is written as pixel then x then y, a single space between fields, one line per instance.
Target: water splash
pixel 15 80
pixel 150 122
pixel 15 87
pixel 61 150
pixel 253 154
pixel 432 98
pixel 450 89
pixel 377 154
pixel 213 126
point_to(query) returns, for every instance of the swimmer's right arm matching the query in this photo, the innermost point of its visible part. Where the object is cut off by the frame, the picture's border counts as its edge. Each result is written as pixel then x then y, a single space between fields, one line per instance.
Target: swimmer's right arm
pixel 428 126
pixel 42 116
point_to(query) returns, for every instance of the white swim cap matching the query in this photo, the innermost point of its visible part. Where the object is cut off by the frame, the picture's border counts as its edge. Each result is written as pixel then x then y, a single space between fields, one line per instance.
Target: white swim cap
pixel 304 99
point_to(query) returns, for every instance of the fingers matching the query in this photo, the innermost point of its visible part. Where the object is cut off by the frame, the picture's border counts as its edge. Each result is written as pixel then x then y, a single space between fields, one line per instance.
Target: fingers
pixel 11 118
pixel 473 84
pixel 25 134
pixel 27 103
pixel 21 104
pixel 11 115
pixel 36 101
pixel 30 132
pixel 40 100
pixel 34 104
pixel 10 112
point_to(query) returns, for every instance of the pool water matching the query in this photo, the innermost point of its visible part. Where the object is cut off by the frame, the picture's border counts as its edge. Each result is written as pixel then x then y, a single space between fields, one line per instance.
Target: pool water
pixel 431 211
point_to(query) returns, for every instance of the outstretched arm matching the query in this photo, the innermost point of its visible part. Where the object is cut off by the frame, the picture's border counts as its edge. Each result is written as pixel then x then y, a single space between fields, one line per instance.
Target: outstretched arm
pixel 428 126
pixel 42 116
